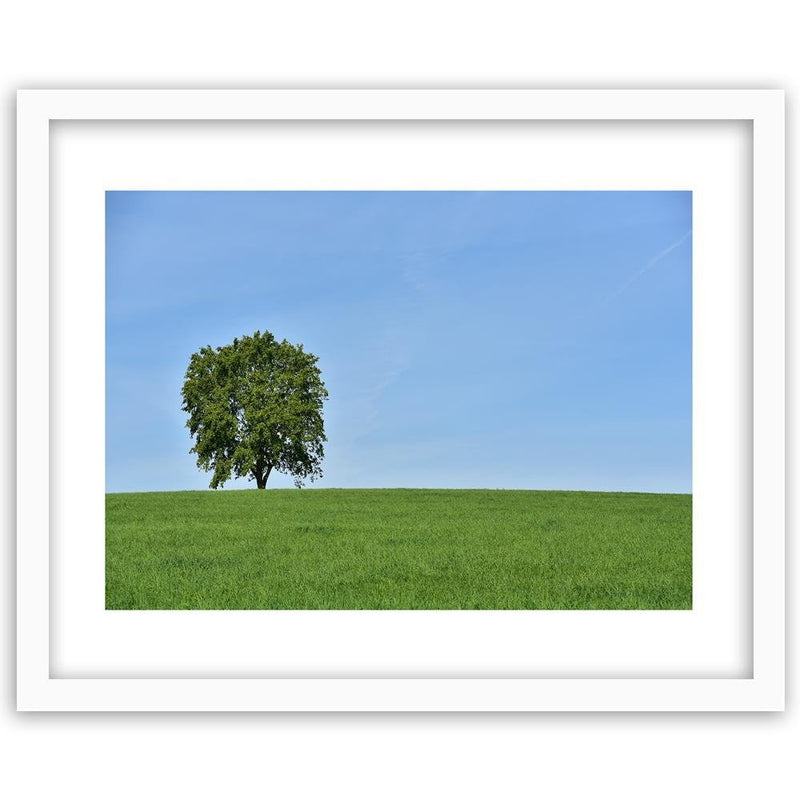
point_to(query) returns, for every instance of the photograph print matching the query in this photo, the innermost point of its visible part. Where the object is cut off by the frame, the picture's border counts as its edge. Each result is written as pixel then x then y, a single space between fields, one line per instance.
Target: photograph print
pixel 417 400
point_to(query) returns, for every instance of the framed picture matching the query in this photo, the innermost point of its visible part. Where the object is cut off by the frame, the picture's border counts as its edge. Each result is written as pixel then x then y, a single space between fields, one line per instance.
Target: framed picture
pixel 524 348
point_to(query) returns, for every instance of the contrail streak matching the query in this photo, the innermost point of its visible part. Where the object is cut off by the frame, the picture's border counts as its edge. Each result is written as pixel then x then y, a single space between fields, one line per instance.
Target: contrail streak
pixel 649 265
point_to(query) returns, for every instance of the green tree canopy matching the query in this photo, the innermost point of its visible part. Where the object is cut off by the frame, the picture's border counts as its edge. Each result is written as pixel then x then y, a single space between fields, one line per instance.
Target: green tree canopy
pixel 256 406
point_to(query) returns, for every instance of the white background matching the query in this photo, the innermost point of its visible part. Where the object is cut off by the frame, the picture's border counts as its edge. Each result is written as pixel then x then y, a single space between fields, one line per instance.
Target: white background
pixel 611 44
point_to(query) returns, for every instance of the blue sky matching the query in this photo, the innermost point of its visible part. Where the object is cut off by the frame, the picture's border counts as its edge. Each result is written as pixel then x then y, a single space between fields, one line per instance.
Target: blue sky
pixel 467 339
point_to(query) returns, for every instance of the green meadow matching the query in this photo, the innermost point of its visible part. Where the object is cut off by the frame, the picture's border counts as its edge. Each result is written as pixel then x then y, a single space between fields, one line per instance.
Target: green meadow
pixel 398 549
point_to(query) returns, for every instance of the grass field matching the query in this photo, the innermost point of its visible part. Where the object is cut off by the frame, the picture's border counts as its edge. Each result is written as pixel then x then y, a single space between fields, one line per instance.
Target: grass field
pixel 398 548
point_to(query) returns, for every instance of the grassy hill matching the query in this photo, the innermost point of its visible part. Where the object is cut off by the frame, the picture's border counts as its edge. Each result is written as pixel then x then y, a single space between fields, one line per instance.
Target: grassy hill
pixel 398 548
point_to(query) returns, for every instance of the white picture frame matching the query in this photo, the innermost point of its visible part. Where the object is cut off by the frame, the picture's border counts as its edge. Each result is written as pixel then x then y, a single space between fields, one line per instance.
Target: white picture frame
pixel 45 686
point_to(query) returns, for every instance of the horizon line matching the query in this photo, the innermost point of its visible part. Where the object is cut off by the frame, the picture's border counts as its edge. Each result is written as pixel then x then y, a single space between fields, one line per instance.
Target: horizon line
pixel 396 489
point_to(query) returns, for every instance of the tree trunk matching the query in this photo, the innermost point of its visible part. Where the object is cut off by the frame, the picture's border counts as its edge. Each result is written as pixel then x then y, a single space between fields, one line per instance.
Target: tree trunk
pixel 262 477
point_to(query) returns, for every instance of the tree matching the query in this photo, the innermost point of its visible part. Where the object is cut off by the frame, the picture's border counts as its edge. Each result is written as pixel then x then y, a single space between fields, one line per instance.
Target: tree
pixel 256 406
